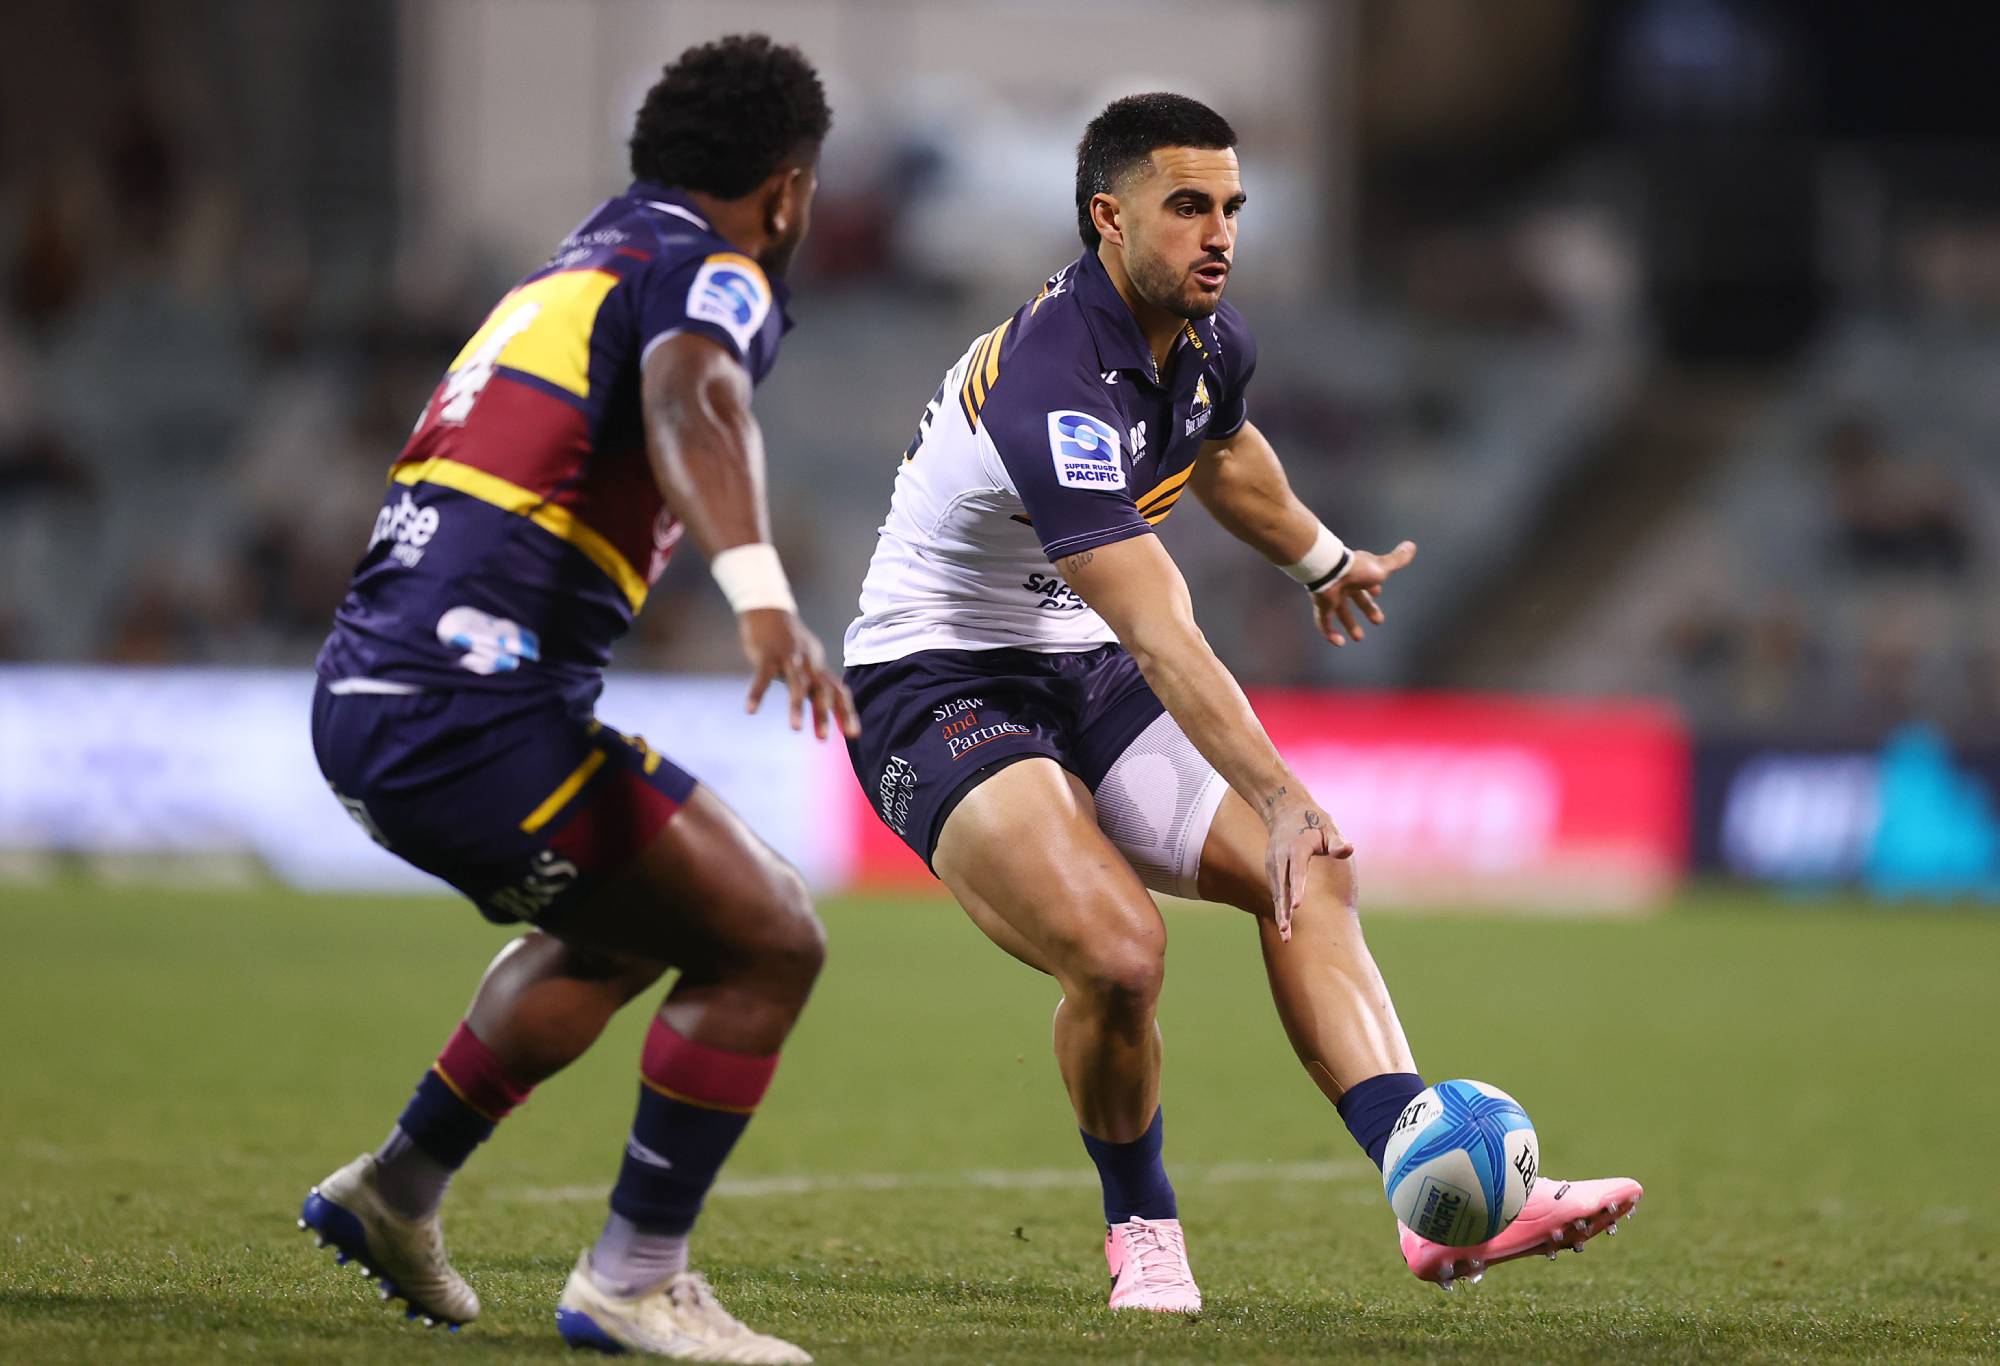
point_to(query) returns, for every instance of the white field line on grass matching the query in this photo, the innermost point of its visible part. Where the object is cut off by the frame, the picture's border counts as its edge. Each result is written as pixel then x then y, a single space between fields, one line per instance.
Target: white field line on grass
pixel 985 1178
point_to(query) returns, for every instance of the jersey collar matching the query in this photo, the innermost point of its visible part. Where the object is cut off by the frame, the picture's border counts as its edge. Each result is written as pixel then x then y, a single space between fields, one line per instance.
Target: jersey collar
pixel 1115 332
pixel 673 204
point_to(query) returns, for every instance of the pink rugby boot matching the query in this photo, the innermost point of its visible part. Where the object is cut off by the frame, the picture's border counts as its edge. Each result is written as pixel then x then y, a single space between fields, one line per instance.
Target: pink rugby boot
pixel 1557 1215
pixel 1149 1267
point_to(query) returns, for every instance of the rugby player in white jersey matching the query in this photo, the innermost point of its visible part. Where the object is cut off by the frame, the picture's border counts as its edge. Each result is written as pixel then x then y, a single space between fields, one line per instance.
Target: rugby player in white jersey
pixel 1043 722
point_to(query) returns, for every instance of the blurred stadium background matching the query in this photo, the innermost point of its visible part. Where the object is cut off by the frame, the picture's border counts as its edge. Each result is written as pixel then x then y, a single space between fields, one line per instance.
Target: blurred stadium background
pixel 1665 327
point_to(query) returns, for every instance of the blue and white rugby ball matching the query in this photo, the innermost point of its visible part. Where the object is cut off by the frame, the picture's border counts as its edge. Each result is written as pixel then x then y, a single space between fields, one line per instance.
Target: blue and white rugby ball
pixel 1460 1163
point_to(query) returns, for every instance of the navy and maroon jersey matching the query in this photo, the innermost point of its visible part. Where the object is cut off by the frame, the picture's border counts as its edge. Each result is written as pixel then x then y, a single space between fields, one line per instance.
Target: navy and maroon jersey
pixel 1053 433
pixel 522 526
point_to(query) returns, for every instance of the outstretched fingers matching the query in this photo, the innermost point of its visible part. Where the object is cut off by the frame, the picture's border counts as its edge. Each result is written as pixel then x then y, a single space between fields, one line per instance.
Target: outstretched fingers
pixel 760 683
pixel 798 683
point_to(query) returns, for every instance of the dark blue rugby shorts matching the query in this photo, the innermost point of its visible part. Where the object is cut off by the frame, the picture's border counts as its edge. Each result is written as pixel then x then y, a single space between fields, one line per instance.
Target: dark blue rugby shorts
pixel 520 803
pixel 936 723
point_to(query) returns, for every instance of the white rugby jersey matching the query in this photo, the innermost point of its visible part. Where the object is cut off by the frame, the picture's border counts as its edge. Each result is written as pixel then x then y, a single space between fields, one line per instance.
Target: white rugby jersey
pixel 1053 433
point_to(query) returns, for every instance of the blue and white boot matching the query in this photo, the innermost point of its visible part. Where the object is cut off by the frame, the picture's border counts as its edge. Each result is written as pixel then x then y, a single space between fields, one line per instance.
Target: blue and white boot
pixel 347 1212
pixel 681 1319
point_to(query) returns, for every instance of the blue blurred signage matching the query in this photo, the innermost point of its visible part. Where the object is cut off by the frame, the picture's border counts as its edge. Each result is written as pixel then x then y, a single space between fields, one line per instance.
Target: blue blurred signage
pixel 1914 818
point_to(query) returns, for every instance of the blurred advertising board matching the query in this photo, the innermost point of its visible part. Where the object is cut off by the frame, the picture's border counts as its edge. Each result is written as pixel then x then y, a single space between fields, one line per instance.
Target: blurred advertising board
pixel 195 761
pixel 1537 803
pixel 1911 817
pixel 1452 799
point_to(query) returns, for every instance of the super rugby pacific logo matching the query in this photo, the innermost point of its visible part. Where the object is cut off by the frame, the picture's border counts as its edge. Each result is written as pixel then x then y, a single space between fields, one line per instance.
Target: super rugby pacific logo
pixel 729 291
pixel 1085 451
pixel 1439 1209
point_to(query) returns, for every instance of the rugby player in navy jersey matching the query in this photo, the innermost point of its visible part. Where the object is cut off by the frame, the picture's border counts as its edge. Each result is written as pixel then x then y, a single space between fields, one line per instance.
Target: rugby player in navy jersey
pixel 602 409
pixel 1046 726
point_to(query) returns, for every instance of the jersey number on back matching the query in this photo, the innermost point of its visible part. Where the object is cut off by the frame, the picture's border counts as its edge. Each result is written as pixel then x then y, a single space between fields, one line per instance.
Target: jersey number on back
pixel 924 424
pixel 462 388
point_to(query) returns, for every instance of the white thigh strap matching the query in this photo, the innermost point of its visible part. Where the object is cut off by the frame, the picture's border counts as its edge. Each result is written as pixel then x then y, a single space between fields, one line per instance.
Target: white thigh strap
pixel 1157 803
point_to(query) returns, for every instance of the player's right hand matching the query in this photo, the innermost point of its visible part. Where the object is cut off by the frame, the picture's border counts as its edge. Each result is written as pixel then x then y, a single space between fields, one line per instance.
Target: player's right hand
pixel 1300 833
pixel 778 645
pixel 1358 593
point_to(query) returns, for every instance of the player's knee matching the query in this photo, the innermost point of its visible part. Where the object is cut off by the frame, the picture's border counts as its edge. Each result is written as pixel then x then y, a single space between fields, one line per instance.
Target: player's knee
pixel 1335 881
pixel 1121 976
pixel 789 943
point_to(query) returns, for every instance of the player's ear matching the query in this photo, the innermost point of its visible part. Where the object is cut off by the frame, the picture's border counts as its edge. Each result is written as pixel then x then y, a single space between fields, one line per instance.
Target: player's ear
pixel 787 195
pixel 1104 216
pixel 780 192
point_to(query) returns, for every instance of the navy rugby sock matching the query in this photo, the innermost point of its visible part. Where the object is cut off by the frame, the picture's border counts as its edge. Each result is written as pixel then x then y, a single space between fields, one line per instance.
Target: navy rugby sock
pixel 694 1103
pixel 455 1108
pixel 1133 1175
pixel 1372 1107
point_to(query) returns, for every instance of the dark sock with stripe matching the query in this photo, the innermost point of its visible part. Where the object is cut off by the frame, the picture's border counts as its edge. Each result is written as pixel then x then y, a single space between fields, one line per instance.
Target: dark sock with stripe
pixel 1134 1175
pixel 456 1107
pixel 694 1103
pixel 1372 1107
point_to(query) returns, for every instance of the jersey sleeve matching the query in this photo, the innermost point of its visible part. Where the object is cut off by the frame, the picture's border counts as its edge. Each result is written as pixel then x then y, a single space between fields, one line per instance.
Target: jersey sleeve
pixel 1063 452
pixel 1239 359
pixel 722 296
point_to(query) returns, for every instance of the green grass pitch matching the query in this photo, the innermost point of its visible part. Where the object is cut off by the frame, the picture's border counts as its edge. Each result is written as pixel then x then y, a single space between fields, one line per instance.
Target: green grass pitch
pixel 1808 1092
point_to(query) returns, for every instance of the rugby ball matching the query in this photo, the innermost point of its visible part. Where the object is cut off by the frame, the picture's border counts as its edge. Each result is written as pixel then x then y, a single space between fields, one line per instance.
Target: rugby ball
pixel 1460 1163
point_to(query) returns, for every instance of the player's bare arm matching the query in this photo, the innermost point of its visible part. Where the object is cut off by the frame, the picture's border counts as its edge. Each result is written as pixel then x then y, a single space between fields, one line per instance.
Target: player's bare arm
pixel 707 455
pixel 1138 590
pixel 1243 485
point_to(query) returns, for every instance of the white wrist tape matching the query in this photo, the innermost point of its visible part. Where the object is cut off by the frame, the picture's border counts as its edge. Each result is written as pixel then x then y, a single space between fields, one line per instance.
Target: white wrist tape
pixel 1324 563
pixel 751 578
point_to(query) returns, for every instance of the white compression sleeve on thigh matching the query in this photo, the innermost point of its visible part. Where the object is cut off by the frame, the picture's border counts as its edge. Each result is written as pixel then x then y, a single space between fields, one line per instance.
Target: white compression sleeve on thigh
pixel 1157 802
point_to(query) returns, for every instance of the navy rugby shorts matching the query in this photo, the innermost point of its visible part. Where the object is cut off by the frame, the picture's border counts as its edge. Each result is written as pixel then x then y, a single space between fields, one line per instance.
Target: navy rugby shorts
pixel 521 803
pixel 936 723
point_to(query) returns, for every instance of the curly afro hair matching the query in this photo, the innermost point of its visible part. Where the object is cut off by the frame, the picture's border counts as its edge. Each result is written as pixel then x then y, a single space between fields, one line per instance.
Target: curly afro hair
pixel 726 114
pixel 1127 132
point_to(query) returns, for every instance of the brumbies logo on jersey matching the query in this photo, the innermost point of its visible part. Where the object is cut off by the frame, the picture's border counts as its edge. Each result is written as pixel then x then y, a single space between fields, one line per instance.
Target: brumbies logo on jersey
pixel 1085 449
pixel 1201 411
pixel 729 291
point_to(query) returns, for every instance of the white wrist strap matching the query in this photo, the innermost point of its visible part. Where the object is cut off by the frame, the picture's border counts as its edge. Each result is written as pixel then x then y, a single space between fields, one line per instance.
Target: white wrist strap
pixel 752 579
pixel 1324 563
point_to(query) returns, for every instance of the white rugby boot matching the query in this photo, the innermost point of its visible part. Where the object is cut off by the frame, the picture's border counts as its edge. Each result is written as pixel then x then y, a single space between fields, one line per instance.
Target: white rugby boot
pixel 680 1319
pixel 347 1212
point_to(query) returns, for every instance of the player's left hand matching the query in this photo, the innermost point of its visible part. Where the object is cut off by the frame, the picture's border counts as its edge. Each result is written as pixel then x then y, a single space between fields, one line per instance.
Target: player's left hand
pixel 779 646
pixel 1340 608
pixel 1299 833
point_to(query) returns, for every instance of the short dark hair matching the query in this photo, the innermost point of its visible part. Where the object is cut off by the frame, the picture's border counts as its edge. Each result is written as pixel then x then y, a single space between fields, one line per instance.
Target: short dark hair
pixel 727 114
pixel 1127 132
